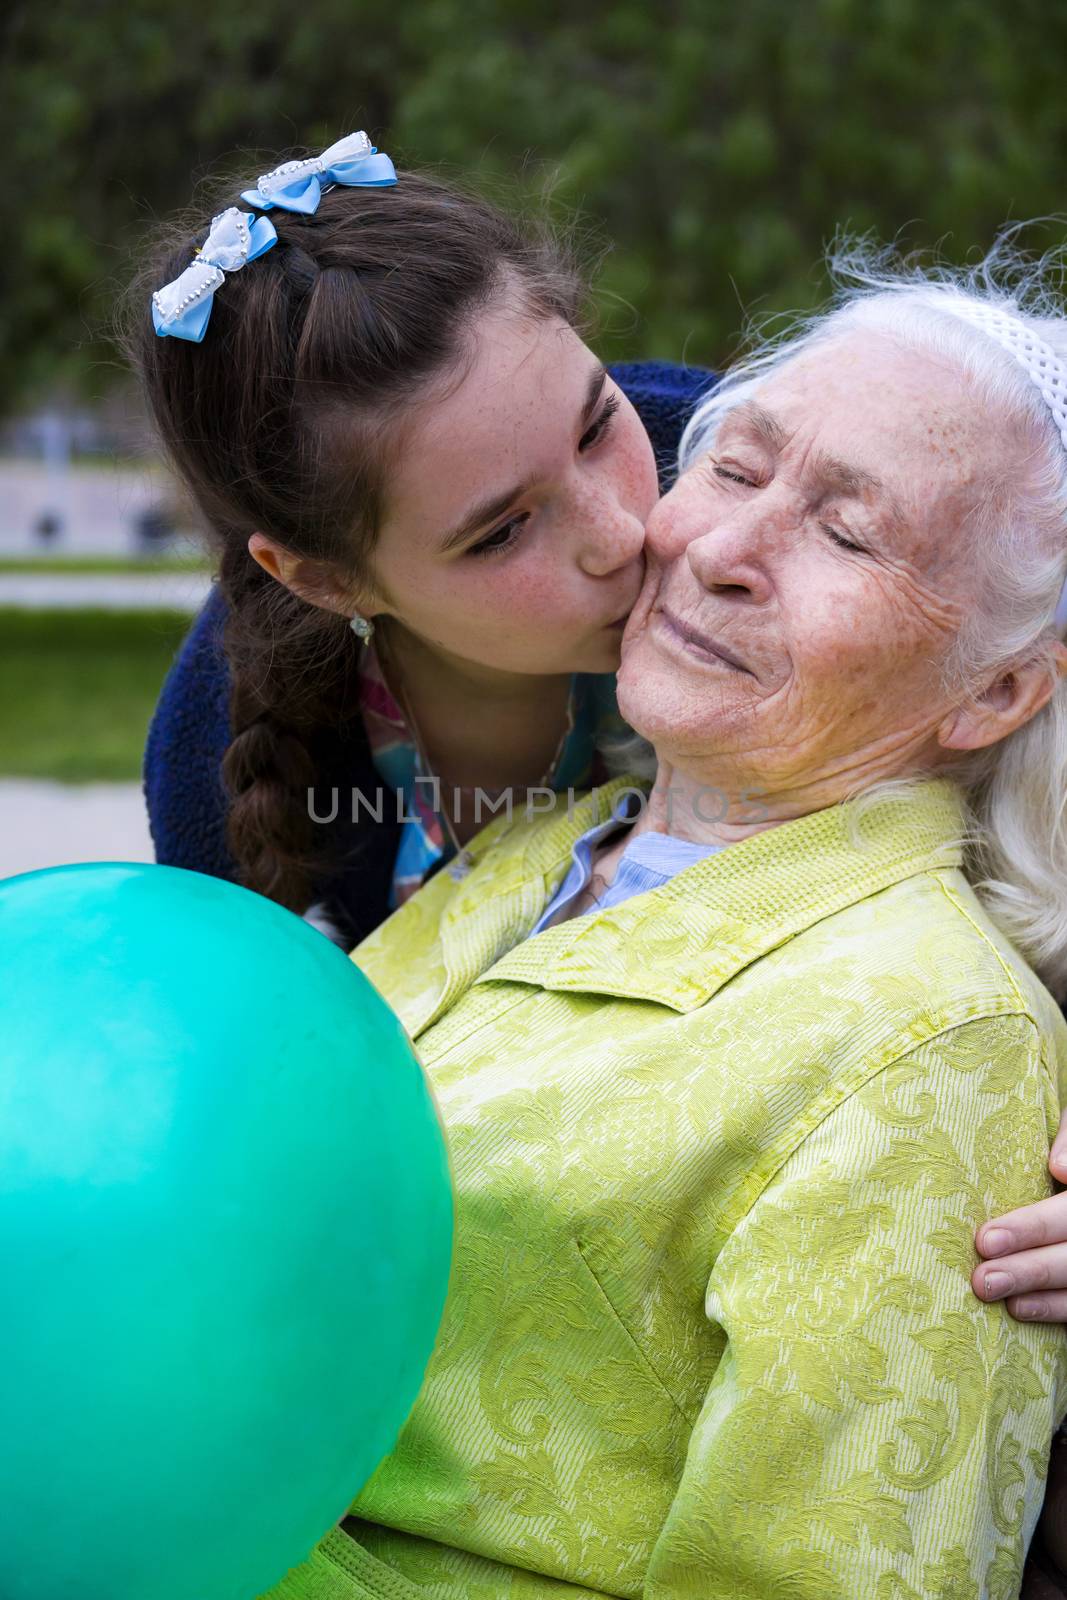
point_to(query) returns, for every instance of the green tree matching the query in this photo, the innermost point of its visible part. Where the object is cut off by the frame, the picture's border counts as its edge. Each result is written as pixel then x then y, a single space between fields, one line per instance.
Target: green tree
pixel 718 146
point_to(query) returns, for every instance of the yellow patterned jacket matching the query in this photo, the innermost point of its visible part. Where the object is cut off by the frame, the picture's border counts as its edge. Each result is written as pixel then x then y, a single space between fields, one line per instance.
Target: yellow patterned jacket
pixel 719 1154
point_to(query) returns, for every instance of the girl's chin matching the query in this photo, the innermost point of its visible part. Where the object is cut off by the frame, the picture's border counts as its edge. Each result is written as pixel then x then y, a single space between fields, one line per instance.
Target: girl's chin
pixel 601 655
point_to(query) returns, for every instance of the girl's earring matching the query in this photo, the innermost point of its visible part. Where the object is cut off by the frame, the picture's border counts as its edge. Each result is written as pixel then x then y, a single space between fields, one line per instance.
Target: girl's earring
pixel 362 627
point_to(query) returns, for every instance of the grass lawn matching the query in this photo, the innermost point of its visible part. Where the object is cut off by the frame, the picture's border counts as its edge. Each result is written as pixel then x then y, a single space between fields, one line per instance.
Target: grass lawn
pixel 77 689
pixel 106 564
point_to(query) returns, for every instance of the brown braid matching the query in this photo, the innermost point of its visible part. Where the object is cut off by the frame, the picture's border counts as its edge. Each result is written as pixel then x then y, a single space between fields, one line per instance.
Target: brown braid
pixel 283 420
pixel 279 707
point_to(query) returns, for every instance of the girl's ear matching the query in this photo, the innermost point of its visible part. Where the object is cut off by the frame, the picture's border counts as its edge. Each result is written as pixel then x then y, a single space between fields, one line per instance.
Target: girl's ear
pixel 1004 705
pixel 272 557
pixel 313 581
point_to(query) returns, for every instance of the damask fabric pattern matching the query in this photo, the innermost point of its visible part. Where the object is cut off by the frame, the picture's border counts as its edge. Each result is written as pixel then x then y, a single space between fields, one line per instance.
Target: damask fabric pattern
pixel 719 1152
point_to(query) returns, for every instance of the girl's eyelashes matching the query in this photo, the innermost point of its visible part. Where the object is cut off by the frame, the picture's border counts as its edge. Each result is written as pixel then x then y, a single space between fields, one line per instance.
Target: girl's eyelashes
pixel 602 426
pixel 505 536
pixel 501 538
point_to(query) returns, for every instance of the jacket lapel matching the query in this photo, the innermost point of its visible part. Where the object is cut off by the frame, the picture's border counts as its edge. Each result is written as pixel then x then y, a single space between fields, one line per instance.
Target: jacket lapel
pixel 452 932
pixel 676 945
pixel 679 944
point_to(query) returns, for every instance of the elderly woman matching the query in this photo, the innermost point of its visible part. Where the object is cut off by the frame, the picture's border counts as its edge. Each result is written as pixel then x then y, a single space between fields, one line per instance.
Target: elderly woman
pixel 732 1064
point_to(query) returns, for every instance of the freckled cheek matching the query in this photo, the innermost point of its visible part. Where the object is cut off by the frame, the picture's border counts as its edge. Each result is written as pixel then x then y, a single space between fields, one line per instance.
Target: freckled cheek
pixel 493 595
pixel 538 594
pixel 633 467
pixel 861 672
pixel 642 490
pixel 511 596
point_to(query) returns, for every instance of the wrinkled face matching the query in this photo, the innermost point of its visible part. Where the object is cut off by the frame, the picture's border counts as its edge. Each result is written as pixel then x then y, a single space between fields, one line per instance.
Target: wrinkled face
pixel 515 520
pixel 808 575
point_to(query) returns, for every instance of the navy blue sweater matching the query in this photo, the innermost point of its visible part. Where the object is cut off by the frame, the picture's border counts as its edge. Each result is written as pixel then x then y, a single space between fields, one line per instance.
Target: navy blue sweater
pixel 190 728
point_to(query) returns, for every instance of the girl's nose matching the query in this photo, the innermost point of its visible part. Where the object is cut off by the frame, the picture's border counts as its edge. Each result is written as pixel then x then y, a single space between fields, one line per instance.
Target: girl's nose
pixel 613 537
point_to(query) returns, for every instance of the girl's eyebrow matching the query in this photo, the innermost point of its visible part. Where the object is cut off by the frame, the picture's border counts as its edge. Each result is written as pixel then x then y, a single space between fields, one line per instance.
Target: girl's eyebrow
pixel 494 506
pixel 476 519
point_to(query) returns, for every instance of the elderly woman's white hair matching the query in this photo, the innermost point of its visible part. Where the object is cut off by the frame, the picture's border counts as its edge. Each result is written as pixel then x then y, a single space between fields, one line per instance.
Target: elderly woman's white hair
pixel 1016 791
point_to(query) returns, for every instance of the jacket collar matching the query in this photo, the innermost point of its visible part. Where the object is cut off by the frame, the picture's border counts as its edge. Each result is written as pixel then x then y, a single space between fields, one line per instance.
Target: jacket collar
pixel 702 927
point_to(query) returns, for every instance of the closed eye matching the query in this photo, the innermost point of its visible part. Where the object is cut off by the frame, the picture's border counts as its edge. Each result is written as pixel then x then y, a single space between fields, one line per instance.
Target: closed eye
pixel 734 477
pixel 842 541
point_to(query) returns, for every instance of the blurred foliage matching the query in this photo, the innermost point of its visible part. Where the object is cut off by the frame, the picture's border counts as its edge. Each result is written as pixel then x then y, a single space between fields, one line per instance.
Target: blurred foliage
pixel 717 145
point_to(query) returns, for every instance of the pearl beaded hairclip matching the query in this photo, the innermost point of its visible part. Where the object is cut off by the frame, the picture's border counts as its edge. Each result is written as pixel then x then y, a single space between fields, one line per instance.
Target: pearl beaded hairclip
pixel 181 309
pixel 298 185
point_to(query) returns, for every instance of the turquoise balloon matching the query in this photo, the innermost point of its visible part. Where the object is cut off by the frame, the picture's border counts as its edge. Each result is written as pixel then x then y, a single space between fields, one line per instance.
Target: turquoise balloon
pixel 226 1220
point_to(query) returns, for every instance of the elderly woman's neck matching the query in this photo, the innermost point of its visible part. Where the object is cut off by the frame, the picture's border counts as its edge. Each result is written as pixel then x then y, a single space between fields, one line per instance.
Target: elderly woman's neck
pixel 692 808
pixel 723 808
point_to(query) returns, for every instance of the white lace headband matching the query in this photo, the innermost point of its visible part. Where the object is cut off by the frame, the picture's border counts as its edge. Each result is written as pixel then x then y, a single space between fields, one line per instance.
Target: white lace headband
pixel 1038 360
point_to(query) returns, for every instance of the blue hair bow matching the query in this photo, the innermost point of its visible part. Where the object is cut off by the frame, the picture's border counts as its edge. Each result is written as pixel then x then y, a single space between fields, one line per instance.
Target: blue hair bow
pixel 180 310
pixel 298 185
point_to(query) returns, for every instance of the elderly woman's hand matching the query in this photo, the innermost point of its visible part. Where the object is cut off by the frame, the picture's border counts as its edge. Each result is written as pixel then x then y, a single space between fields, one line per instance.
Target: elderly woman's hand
pixel 1025 1252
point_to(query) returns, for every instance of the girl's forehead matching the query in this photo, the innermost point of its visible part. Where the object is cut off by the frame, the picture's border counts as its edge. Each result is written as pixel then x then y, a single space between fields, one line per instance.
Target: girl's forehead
pixel 503 422
pixel 513 363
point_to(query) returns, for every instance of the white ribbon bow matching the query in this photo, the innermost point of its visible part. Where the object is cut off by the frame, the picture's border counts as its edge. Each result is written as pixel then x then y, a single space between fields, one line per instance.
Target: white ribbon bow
pixel 234 238
pixel 353 147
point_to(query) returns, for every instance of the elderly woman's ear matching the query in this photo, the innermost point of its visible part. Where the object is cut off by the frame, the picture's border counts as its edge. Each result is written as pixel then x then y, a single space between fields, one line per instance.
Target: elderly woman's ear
pixel 1009 702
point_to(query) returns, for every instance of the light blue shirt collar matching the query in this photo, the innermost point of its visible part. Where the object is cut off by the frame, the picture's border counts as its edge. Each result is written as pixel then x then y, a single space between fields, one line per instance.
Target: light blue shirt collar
pixel 648 861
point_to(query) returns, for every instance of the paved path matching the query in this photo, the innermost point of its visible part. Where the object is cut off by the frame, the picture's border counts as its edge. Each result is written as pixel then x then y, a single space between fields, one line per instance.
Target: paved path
pixel 98 505
pixel 48 824
pixel 136 591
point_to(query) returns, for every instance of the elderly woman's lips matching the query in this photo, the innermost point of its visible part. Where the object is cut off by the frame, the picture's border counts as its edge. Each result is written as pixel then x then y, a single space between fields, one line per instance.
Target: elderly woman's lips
pixel 682 630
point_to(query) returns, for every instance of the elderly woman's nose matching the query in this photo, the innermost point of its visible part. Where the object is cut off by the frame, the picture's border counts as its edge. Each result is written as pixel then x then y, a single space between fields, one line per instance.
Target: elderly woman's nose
pixel 670 524
pixel 727 557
